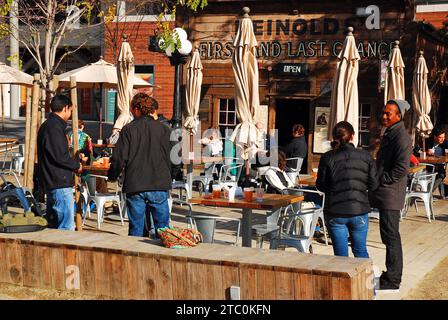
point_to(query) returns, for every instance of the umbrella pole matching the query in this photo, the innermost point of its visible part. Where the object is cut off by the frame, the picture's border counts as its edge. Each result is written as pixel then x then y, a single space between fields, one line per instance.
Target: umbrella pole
pixel 33 132
pixel 190 165
pixel 101 111
pixel 3 107
pixel 74 98
pixel 424 147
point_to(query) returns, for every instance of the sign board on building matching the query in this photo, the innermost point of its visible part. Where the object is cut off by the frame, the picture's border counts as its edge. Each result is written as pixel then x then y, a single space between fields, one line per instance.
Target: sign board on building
pixel 111 101
pixel 292 69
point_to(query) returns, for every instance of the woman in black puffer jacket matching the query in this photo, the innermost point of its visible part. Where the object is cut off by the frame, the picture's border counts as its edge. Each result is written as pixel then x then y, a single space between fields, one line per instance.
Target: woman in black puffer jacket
pixel 346 175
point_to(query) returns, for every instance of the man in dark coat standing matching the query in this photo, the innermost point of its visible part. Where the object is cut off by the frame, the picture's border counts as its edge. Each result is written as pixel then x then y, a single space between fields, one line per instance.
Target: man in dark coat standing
pixel 143 153
pixel 393 166
pixel 55 164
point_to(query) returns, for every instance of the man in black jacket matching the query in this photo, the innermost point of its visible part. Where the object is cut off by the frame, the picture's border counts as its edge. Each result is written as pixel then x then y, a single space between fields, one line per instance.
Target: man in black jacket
pixel 143 151
pixel 393 167
pixel 55 165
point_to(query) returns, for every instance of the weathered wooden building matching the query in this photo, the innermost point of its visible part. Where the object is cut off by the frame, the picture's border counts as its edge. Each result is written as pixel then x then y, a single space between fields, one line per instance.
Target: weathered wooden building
pixel 298 42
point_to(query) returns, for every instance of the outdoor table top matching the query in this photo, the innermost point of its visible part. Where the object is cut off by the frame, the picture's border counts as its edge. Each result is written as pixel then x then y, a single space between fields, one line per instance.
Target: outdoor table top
pixel 418 168
pixel 8 140
pixel 96 145
pixel 270 201
pixel 434 160
pixel 97 170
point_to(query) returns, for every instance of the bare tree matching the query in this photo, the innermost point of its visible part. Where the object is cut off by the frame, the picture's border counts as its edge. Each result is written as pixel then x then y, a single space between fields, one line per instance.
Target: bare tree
pixel 44 24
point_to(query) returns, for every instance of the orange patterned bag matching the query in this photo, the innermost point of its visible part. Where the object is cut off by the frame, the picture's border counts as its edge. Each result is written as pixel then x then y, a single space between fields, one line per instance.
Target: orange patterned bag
pixel 178 238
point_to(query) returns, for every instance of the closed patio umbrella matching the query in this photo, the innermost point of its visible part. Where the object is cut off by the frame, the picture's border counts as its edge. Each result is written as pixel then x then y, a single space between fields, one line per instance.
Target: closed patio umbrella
pixel 193 91
pixel 344 104
pixel 193 97
pixel 125 77
pixel 394 86
pixel 421 97
pixel 101 73
pixel 245 69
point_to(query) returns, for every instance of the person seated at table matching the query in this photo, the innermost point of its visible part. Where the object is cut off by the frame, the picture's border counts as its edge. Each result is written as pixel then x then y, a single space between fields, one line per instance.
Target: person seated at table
pixel 85 145
pixel 437 148
pixel 346 175
pixel 212 148
pixel 276 177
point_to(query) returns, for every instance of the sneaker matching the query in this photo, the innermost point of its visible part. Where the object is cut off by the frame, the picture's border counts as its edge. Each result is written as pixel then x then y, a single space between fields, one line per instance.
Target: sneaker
pixel 386 286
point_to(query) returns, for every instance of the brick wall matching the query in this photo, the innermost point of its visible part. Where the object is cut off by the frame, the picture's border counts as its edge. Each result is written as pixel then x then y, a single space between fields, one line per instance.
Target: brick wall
pixel 138 35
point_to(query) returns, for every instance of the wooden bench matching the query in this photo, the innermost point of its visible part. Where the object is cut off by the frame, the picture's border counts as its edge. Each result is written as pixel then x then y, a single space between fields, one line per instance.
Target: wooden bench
pixel 107 265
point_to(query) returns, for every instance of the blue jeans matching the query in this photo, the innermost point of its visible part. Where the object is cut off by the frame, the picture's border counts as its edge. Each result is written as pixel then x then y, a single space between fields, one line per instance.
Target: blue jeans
pixel 60 203
pixel 140 205
pixel 339 230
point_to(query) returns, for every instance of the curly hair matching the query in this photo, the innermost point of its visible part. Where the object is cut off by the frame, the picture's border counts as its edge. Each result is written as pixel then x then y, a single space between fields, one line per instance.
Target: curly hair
pixel 146 104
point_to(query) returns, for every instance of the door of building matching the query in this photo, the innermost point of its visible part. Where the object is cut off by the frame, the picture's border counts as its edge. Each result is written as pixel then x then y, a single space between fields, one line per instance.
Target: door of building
pixel 290 112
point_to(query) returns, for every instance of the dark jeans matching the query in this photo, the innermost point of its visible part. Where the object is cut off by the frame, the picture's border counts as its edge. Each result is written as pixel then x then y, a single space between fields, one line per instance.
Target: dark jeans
pixel 390 236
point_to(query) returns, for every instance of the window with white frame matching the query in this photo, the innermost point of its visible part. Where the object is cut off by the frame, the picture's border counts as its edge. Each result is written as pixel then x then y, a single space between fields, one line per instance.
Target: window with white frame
pixel 227 115
pixel 364 118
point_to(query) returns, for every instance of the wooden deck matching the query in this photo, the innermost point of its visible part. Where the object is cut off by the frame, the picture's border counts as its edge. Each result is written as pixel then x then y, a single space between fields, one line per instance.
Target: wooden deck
pixel 424 244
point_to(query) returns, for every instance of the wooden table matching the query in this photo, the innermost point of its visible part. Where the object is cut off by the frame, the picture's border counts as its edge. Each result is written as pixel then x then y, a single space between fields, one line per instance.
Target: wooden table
pixel 270 202
pixel 434 160
pixel 416 169
pixel 95 145
pixel 96 170
pixel 7 141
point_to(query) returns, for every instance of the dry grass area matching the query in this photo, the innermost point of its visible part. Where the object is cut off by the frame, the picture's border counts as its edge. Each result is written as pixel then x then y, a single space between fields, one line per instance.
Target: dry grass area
pixel 434 285
pixel 12 292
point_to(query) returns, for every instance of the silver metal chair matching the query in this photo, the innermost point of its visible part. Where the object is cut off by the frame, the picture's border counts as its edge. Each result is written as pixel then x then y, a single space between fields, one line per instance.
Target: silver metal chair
pixel 290 230
pixel 204 180
pixel 225 177
pixel 294 172
pixel 421 189
pixel 100 199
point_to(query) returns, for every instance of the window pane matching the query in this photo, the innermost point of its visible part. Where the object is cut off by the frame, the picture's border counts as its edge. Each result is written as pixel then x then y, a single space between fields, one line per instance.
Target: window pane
pixel 365 109
pixel 222 118
pixel 231 118
pixel 222 104
pixel 231 105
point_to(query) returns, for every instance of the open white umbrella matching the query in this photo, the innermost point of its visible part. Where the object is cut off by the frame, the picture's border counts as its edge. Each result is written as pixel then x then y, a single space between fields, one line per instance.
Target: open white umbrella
pixel 100 73
pixel 9 75
pixel 394 86
pixel 344 104
pixel 422 98
pixel 245 69
pixel 125 76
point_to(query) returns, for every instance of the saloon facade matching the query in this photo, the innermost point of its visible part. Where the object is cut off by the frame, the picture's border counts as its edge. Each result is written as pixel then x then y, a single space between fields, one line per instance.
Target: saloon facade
pixel 298 42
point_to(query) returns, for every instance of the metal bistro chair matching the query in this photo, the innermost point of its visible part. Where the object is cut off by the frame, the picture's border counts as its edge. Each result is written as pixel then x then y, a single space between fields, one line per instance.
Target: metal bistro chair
pixel 421 188
pixel 294 172
pixel 225 177
pixel 288 234
pixel 100 199
pixel 203 181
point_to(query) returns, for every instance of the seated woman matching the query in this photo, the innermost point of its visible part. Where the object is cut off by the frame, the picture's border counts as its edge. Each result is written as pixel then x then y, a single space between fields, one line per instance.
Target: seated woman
pixel 276 178
pixel 85 146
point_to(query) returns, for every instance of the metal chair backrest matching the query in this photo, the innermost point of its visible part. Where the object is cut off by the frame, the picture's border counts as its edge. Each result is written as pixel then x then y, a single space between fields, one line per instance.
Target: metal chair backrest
pixel 430 168
pixel 423 183
pixel 298 164
pixel 225 172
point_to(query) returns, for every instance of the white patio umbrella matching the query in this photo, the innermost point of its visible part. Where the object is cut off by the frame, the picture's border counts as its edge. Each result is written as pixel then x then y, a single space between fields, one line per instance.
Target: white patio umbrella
pixel 344 104
pixel 100 73
pixel 394 86
pixel 125 76
pixel 193 91
pixel 9 75
pixel 422 98
pixel 193 97
pixel 245 69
